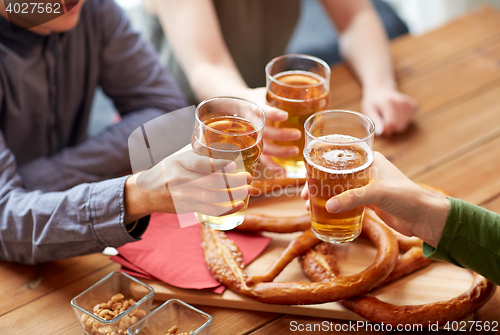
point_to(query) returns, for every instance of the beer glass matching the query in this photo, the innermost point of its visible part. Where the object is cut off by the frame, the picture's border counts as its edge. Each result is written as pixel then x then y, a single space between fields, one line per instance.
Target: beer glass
pixel 337 157
pixel 299 85
pixel 229 128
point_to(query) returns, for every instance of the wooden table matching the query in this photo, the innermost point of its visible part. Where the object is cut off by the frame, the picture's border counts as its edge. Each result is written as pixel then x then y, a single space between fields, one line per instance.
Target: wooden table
pixel 454 143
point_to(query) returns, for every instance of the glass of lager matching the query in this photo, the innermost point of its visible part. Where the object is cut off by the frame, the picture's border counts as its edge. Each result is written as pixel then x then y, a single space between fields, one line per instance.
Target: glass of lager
pixel 228 128
pixel 338 155
pixel 299 85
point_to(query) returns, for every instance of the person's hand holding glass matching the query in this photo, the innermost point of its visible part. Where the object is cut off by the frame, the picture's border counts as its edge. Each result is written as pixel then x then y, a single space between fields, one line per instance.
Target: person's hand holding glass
pixel 299 85
pixel 338 154
pixel 229 129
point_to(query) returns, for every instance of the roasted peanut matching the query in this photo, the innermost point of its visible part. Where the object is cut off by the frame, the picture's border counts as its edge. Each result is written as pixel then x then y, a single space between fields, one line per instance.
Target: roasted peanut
pixel 117 297
pixel 108 311
pixel 126 304
pixel 174 329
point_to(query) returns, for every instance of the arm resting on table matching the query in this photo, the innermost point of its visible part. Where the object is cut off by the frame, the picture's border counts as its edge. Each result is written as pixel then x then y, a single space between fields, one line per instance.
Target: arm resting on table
pixel 36 227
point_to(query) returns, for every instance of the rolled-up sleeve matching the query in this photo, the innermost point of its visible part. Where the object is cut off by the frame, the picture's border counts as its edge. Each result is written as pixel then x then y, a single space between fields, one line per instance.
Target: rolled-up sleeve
pixel 37 227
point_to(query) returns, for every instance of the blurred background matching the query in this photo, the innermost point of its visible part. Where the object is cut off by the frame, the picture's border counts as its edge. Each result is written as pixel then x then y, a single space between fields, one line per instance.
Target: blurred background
pixel 424 15
pixel 314 30
pixel 419 15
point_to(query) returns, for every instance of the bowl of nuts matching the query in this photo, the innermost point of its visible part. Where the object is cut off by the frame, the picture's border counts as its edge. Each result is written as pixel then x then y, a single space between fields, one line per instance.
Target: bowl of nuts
pixel 174 317
pixel 112 305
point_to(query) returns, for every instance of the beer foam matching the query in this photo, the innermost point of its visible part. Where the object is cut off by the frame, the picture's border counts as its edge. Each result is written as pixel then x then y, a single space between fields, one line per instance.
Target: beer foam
pixel 339 157
pixel 306 78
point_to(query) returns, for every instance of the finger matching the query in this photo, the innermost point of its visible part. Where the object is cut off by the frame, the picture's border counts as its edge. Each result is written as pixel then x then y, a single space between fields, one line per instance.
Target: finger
pixel 222 180
pixel 188 193
pixel 268 162
pixel 280 151
pixel 396 116
pixel 275 114
pixel 391 120
pixel 209 165
pixel 351 199
pixel 374 115
pixel 308 205
pixel 218 209
pixel 281 134
pixel 305 193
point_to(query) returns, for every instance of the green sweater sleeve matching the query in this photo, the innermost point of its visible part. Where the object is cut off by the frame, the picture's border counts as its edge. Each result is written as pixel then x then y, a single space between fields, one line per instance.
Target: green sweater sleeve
pixel 471 239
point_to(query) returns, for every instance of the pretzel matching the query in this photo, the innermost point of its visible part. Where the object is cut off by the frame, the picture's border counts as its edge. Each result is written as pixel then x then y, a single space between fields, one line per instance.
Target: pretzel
pixel 441 312
pixel 258 222
pixel 224 260
pixel 320 265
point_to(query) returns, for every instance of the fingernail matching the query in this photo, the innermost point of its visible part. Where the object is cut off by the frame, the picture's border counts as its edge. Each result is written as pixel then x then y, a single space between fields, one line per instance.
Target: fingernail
pixel 379 130
pixel 297 133
pixel 293 151
pixel 332 205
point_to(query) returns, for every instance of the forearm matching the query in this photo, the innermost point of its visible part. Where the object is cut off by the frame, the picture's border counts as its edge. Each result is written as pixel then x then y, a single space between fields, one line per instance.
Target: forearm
pixel 365 47
pixel 200 49
pixel 214 79
pixel 38 227
pixel 102 157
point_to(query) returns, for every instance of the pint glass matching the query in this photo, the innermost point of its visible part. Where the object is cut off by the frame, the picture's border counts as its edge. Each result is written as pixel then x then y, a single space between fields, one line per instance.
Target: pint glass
pixel 299 85
pixel 228 128
pixel 337 156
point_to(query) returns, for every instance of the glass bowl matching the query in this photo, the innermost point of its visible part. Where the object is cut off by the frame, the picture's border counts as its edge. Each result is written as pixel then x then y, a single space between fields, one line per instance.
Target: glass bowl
pixel 173 313
pixel 110 288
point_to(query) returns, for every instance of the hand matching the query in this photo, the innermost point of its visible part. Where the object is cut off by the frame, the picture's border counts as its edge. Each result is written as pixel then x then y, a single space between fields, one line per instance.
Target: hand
pixel 403 205
pixel 184 183
pixel 390 110
pixel 258 95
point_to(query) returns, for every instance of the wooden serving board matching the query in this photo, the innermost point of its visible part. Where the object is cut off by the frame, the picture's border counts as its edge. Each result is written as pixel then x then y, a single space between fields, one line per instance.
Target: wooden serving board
pixel 439 281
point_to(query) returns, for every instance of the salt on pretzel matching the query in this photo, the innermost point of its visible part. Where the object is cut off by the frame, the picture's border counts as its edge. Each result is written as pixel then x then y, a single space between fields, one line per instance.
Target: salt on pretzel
pixel 224 260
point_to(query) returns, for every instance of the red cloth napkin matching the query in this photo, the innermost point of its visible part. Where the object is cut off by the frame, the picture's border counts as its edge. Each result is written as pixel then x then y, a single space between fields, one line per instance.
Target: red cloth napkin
pixel 173 254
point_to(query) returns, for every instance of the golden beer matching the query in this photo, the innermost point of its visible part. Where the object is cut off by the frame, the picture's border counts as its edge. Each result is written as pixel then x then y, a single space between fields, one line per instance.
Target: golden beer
pixel 223 144
pixel 231 138
pixel 301 93
pixel 337 157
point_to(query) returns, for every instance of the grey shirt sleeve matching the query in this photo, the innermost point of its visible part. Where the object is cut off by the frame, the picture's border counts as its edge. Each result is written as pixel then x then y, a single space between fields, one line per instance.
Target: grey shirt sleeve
pixel 37 227
pixel 141 90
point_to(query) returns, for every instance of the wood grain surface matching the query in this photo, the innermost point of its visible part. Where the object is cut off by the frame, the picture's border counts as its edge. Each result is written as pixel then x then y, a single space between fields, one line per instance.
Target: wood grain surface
pixel 438 282
pixel 453 143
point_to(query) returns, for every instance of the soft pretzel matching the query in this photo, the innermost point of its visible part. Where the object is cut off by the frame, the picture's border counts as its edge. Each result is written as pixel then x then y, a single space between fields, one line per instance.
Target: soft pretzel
pixel 319 264
pixel 258 222
pixel 224 261
pixel 441 312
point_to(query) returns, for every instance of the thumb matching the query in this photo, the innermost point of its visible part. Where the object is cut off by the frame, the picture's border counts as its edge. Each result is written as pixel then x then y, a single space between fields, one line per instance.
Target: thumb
pixel 350 199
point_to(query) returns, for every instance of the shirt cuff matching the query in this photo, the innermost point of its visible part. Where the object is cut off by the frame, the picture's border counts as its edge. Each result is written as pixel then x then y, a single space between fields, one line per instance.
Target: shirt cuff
pixel 107 212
